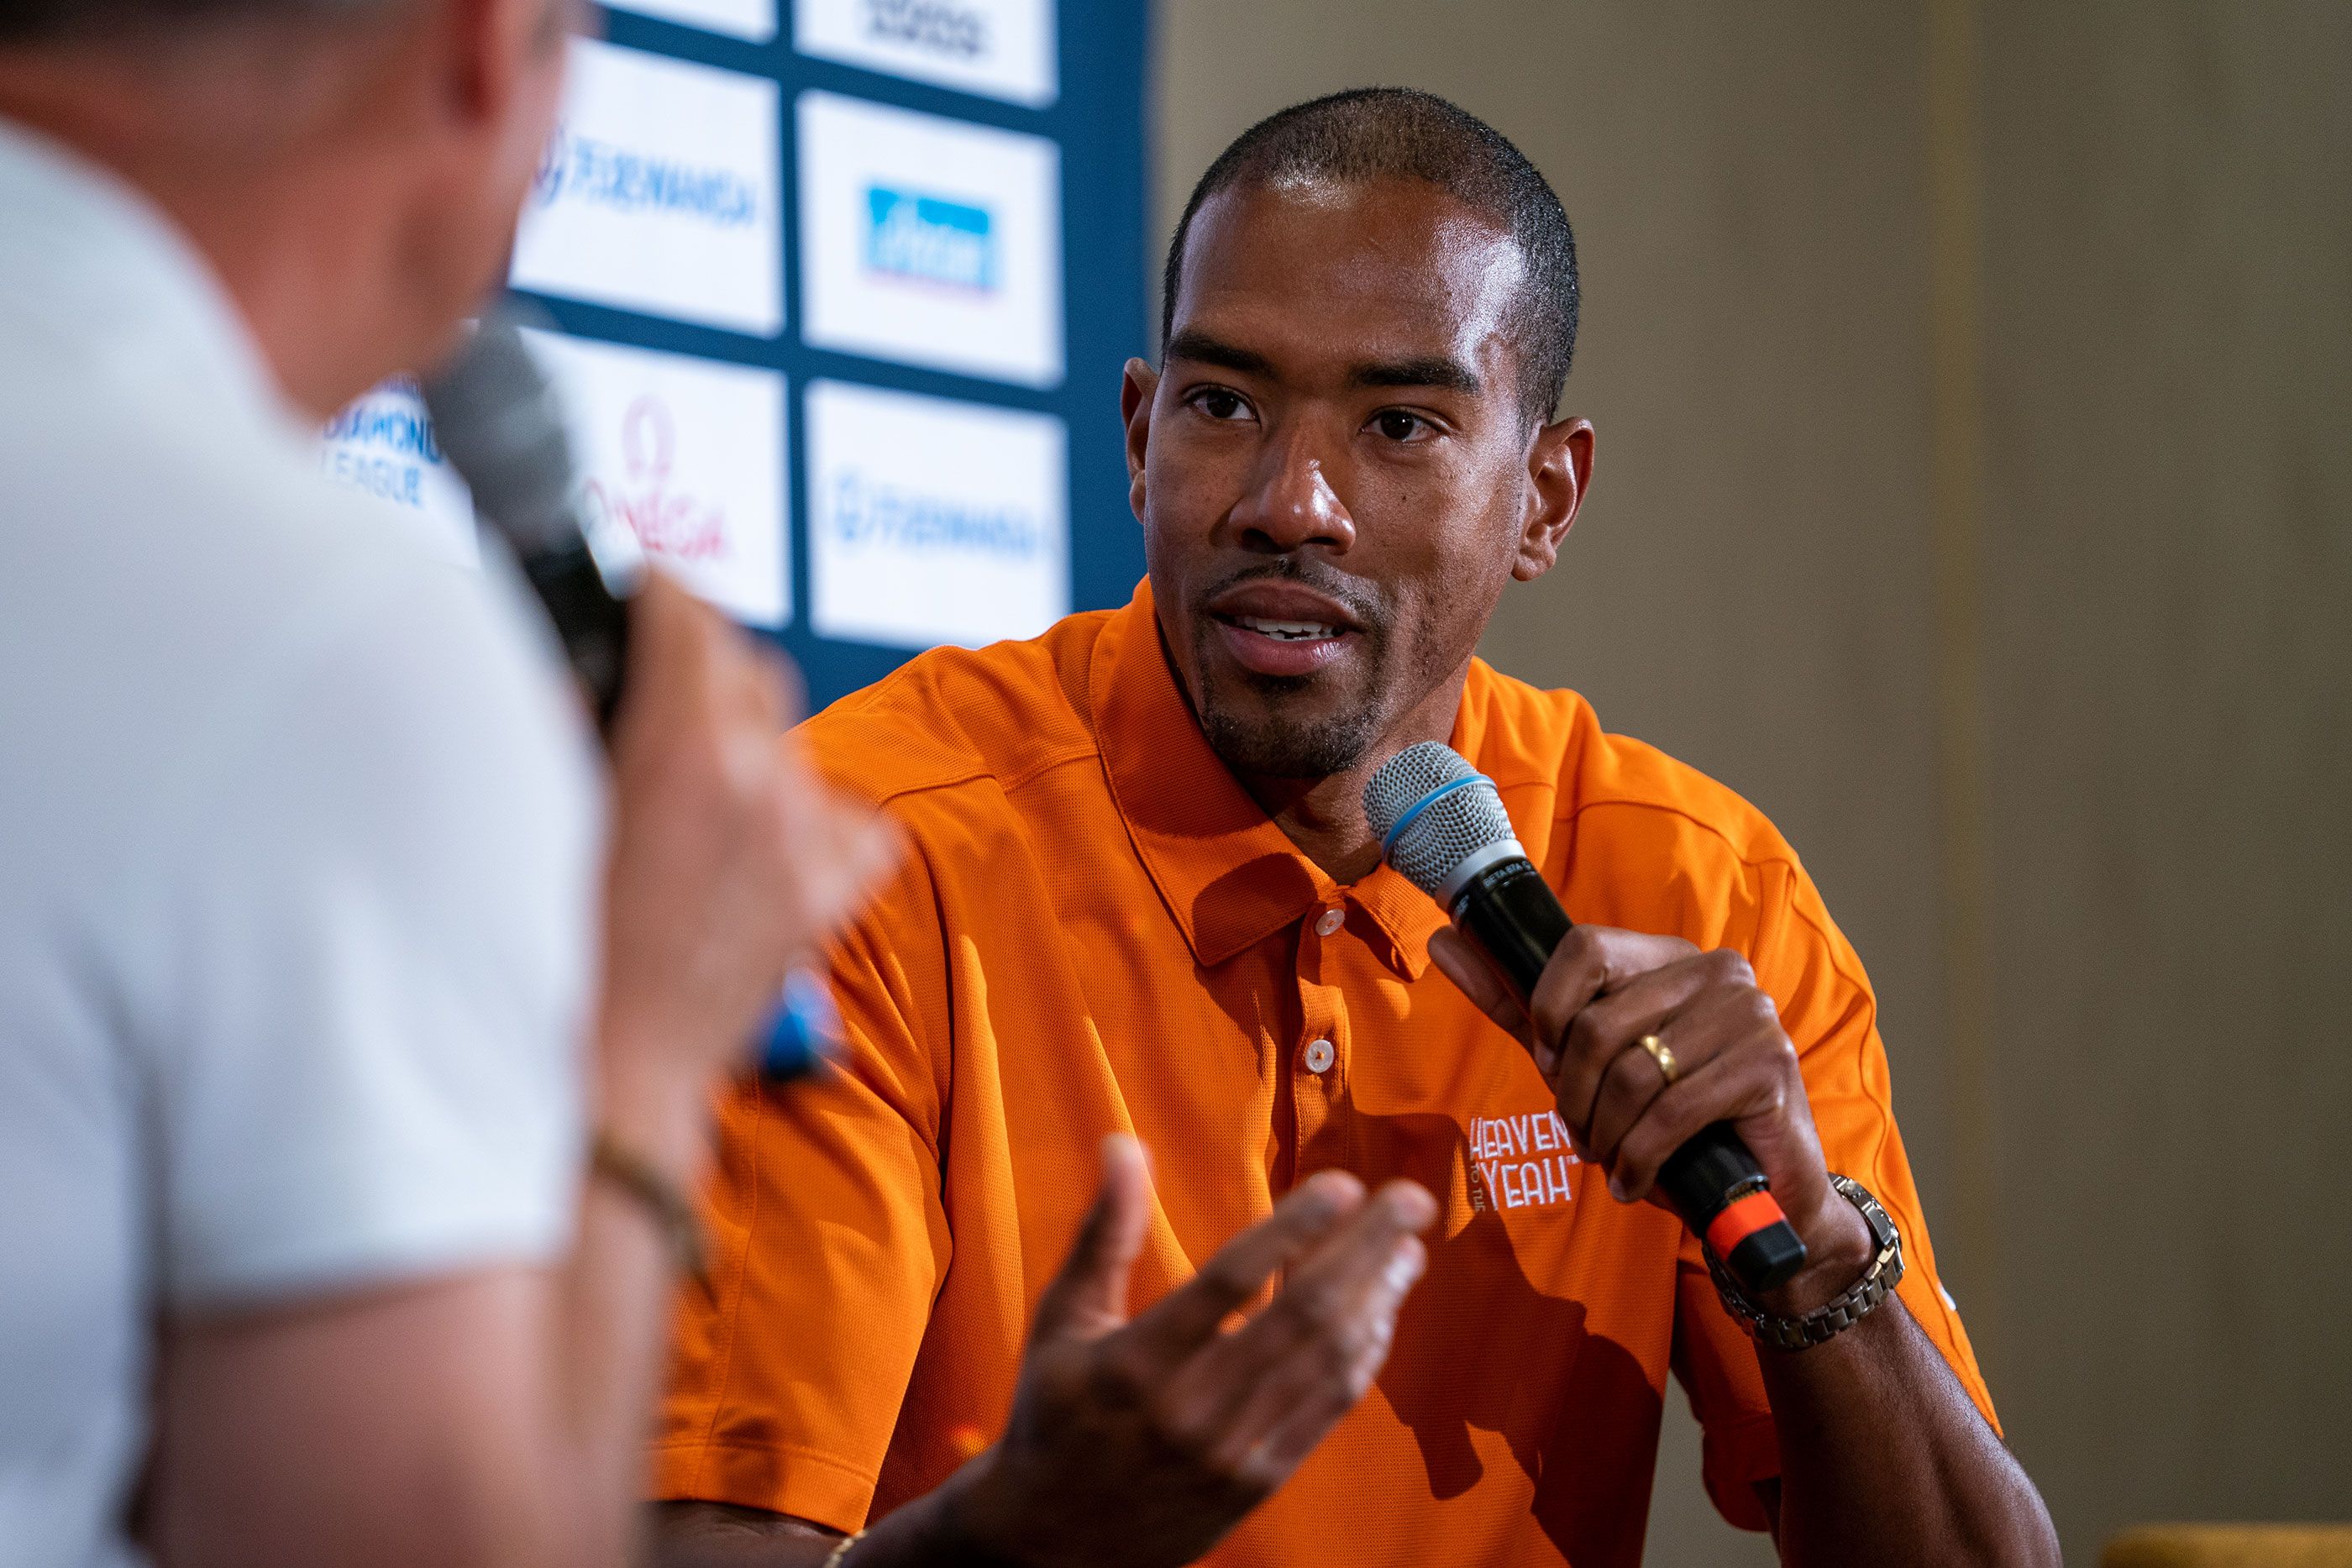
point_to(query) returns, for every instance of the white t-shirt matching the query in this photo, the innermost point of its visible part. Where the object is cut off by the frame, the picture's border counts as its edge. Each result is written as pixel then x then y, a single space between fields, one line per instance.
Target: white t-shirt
pixel 299 836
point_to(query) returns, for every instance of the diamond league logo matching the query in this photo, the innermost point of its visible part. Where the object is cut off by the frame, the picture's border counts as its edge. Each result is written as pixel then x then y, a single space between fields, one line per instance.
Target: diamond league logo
pixel 606 174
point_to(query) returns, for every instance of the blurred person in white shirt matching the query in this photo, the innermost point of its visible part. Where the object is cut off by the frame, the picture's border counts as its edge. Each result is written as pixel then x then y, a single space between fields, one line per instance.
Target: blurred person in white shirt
pixel 323 945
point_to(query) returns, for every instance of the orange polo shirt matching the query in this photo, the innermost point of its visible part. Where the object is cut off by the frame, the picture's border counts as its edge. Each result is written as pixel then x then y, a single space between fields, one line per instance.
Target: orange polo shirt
pixel 1098 930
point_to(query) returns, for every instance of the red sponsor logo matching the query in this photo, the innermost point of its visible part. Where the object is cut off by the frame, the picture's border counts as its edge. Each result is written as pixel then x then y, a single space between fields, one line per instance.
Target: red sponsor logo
pixel 668 520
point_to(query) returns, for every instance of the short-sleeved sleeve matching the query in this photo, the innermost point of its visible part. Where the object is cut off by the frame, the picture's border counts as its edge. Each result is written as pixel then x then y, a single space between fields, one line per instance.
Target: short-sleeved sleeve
pixel 1826 1005
pixel 370 952
pixel 789 1372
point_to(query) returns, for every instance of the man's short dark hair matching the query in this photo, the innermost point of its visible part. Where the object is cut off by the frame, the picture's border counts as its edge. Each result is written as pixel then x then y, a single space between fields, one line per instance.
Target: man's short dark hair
pixel 1403 134
pixel 58 21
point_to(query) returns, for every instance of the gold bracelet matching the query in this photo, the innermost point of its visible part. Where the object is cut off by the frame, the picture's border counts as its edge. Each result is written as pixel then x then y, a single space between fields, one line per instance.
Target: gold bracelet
pixel 840 1553
pixel 664 1201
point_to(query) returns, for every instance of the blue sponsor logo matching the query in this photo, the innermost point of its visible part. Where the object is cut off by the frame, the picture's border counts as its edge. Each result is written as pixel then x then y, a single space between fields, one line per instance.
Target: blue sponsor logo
pixel 605 174
pixel 929 239
pixel 383 444
pixel 875 514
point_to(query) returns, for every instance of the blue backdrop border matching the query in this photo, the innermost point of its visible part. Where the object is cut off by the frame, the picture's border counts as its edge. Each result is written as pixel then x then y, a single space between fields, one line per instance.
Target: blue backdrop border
pixel 1098 119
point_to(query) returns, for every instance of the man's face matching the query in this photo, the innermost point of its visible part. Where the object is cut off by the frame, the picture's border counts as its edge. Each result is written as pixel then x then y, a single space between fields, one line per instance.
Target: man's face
pixel 1333 469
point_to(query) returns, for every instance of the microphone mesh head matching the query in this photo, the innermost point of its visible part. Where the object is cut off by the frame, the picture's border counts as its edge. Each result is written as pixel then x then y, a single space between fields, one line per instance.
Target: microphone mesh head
pixel 500 422
pixel 1442 835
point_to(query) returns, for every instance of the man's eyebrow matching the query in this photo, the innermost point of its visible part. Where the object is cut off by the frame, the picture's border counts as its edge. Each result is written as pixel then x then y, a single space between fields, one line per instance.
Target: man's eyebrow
pixel 1432 371
pixel 1202 348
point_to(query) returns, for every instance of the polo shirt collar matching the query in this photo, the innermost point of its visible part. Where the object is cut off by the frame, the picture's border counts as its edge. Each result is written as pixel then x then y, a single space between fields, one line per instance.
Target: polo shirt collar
pixel 1230 875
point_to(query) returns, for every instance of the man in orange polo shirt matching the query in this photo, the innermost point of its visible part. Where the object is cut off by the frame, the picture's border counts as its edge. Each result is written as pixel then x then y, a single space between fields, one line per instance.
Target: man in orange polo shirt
pixel 1142 904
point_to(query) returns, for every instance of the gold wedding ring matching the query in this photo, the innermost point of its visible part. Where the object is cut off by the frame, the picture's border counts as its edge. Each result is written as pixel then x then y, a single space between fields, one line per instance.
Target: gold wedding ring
pixel 1662 1054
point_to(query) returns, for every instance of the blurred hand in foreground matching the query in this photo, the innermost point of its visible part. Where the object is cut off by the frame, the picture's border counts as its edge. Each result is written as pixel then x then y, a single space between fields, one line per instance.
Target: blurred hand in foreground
pixel 729 860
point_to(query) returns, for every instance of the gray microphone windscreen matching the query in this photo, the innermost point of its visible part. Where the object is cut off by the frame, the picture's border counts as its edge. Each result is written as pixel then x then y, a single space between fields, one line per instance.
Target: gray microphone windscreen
pixel 1466 817
pixel 499 422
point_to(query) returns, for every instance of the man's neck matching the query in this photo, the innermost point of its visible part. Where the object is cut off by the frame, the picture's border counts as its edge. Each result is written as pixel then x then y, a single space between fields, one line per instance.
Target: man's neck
pixel 279 227
pixel 1325 817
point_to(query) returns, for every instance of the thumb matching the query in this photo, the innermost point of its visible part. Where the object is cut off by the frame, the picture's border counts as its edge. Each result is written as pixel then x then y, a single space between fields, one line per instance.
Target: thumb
pixel 1088 1298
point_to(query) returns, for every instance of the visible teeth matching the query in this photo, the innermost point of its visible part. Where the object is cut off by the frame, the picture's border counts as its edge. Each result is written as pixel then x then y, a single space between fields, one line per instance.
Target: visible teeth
pixel 1290 631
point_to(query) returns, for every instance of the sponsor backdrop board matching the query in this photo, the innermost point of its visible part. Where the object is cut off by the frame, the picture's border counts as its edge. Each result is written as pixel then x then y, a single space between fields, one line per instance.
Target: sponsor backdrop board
pixel 930 241
pixel 1001 49
pixel 754 20
pixel 932 520
pixel 685 453
pixel 843 289
pixel 382 446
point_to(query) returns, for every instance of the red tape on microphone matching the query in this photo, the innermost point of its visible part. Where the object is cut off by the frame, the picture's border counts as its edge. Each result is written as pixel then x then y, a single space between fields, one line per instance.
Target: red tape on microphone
pixel 1742 1218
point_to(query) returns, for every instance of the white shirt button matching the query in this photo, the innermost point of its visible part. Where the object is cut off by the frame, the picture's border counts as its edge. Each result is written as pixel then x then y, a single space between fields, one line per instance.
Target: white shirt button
pixel 1330 922
pixel 1320 1055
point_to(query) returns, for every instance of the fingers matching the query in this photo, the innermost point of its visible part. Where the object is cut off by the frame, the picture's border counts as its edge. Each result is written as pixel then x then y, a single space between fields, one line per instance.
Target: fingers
pixel 1458 959
pixel 1750 1076
pixel 1280 1381
pixel 838 850
pixel 1694 1017
pixel 1605 1078
pixel 1088 1298
pixel 1193 1313
pixel 1591 961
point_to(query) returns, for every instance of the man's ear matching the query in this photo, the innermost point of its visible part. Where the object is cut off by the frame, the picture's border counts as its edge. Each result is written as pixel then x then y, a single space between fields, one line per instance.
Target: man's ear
pixel 1136 391
pixel 492 46
pixel 1559 469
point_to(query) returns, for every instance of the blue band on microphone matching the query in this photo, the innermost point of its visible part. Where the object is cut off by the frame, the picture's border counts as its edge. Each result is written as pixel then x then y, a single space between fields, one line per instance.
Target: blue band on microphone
pixel 802 1031
pixel 1418 806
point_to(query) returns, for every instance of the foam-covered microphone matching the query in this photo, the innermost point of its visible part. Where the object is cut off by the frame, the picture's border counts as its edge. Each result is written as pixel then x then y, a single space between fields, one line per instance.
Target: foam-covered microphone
pixel 1441 824
pixel 499 421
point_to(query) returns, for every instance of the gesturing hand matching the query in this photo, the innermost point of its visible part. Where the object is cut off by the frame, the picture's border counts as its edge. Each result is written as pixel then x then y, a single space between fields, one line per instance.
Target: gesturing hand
pixel 1603 992
pixel 1141 1443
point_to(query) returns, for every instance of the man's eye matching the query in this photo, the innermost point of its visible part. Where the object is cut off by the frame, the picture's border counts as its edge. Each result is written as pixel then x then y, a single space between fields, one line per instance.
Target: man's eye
pixel 1398 425
pixel 1221 405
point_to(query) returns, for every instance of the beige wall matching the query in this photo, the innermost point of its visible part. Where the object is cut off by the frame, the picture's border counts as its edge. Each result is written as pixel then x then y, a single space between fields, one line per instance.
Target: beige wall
pixel 2139 411
pixel 2167 548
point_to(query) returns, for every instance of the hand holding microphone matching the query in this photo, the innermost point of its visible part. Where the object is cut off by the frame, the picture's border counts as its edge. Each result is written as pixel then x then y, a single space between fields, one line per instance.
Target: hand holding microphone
pixel 1669 1064
pixel 729 860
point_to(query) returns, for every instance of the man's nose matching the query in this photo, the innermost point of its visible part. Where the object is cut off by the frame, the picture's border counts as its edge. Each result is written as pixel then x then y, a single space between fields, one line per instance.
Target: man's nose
pixel 1291 504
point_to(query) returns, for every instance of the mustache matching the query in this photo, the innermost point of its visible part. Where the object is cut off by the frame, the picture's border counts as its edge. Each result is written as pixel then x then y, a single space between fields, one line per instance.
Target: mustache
pixel 1358 598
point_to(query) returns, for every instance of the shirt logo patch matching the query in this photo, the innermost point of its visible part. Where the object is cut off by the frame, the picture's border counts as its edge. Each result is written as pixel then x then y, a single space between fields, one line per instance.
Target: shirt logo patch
pixel 1520 1162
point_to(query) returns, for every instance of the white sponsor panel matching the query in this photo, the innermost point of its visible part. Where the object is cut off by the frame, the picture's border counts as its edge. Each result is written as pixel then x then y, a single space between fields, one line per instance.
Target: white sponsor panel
pixel 754 20
pixel 933 242
pixel 932 521
pixel 383 446
pixel 689 454
pixel 997 48
pixel 660 192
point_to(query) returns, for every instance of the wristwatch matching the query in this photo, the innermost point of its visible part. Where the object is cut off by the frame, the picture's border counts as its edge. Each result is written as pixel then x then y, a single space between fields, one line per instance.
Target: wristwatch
pixel 1823 1324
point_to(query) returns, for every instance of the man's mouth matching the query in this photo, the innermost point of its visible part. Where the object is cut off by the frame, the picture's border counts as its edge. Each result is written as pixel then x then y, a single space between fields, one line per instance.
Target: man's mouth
pixel 1285 630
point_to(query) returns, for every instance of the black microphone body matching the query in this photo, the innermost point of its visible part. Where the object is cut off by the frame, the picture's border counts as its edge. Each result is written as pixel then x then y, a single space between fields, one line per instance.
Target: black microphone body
pixel 590 622
pixel 1504 905
pixel 500 424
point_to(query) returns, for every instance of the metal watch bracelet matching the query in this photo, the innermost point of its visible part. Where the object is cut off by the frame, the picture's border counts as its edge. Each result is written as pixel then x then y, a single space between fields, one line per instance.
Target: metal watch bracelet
pixel 1824 1323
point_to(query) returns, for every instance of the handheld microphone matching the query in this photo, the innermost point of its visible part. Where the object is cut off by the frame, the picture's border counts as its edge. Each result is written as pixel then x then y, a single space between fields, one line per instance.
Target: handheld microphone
pixel 499 422
pixel 1441 824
